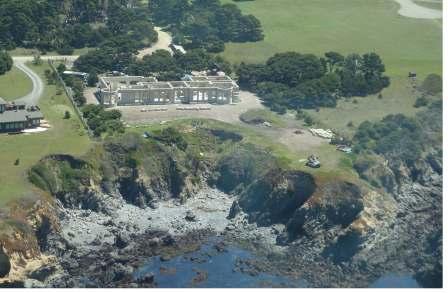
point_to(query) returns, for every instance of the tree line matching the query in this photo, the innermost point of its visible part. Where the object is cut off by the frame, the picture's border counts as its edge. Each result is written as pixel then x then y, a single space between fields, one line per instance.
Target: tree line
pixel 205 24
pixel 5 62
pixel 305 81
pixel 66 25
pixel 161 63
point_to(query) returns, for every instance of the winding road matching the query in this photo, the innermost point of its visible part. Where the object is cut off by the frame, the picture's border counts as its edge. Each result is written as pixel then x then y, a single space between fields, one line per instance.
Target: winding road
pixel 32 98
pixel 409 9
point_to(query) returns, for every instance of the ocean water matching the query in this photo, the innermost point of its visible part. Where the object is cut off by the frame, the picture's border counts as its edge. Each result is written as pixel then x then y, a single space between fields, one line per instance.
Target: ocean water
pixel 395 281
pixel 208 268
pixel 219 267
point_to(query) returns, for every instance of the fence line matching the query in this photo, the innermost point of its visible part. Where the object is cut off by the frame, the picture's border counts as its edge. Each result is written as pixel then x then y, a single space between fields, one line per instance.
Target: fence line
pixel 68 91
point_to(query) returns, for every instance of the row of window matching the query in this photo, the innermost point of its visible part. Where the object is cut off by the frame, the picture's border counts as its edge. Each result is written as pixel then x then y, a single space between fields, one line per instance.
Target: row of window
pixel 11 126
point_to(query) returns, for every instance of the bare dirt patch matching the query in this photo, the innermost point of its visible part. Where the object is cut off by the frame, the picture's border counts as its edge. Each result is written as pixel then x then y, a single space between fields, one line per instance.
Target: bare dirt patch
pixel 163 43
pixel 89 94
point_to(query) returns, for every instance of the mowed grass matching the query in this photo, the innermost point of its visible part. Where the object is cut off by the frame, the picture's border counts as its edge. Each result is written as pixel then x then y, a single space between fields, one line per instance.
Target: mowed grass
pixel 64 137
pixel 433 5
pixel 345 26
pixel 349 26
pixel 14 84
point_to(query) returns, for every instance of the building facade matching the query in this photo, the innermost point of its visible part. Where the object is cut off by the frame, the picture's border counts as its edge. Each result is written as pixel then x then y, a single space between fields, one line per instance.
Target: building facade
pixel 138 90
pixel 17 117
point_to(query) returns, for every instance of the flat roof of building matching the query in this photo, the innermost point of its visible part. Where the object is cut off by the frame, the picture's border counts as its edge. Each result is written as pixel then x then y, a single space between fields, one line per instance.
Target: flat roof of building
pixel 19 116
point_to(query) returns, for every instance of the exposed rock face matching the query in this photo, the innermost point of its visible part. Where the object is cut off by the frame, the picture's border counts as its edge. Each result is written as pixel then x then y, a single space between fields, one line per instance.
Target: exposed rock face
pixel 159 173
pixel 5 264
pixel 276 196
pixel 326 227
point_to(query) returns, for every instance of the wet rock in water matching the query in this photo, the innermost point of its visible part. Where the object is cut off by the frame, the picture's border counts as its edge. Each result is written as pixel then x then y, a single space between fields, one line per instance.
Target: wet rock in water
pixel 220 247
pixel 201 276
pixel 119 271
pixel 147 278
pixel 121 241
pixel 165 258
pixel 190 216
pixel 196 259
pixel 43 273
pixel 235 209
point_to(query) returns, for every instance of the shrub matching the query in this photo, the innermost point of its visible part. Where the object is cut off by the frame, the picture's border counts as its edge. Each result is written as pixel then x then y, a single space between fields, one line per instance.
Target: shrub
pixel 432 84
pixel 421 102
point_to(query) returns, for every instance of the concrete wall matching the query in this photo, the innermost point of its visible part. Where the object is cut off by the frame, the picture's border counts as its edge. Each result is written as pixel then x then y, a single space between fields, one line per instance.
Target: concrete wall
pixel 137 90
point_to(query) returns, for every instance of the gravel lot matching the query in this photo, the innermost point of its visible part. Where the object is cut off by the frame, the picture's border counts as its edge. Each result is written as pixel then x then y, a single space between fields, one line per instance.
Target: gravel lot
pixel 225 113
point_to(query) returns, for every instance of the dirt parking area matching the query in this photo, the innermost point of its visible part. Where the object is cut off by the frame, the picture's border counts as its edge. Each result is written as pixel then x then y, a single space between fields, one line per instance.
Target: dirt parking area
pixel 226 113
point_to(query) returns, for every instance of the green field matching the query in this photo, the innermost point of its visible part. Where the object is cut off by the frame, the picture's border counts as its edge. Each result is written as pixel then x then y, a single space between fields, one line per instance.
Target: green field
pixel 398 98
pixel 348 26
pixel 14 84
pixel 433 5
pixel 345 26
pixel 65 136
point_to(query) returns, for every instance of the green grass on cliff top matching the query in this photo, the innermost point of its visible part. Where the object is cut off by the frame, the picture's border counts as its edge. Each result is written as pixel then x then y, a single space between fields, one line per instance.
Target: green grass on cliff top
pixel 14 84
pixel 335 164
pixel 64 137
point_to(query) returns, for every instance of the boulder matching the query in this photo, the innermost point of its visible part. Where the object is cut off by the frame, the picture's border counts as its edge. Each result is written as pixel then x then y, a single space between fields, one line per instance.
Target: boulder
pixel 121 240
pixel 190 217
pixel 42 273
pixel 147 278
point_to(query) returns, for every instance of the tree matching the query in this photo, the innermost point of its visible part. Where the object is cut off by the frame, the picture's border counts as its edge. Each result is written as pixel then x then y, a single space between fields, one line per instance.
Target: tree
pixel 292 68
pixel 37 60
pixel 92 79
pixel 67 115
pixel 333 59
pixel 5 62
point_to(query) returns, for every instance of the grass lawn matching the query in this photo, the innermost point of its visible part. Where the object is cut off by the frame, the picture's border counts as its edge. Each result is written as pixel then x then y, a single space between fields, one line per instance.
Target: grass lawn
pixel 348 26
pixel 345 26
pixel 14 84
pixel 335 164
pixel 31 52
pixel 65 136
pixel 398 98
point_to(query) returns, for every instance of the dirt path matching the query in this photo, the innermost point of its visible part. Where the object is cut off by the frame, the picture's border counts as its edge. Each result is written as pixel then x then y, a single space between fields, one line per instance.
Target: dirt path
pixel 163 42
pixel 410 9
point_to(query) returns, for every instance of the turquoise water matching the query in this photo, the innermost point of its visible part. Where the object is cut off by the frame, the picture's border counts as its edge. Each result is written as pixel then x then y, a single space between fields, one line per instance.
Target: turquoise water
pixel 179 272
pixel 395 281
